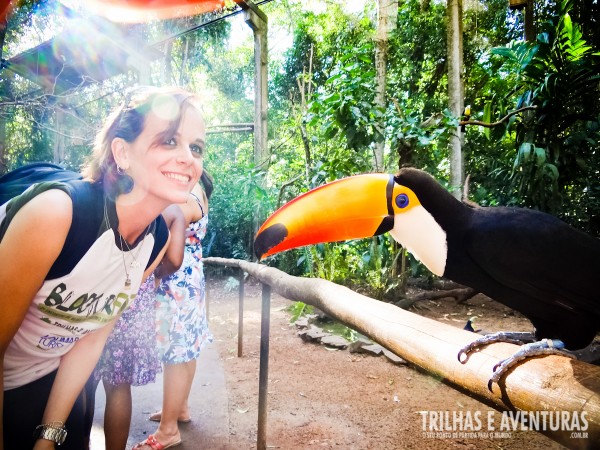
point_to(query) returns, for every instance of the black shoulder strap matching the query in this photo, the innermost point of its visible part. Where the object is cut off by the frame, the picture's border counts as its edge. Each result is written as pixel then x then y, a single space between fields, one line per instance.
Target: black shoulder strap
pixel 17 181
pixel 85 227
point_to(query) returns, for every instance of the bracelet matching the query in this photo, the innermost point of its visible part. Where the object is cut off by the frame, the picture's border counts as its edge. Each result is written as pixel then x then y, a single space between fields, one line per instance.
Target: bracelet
pixel 54 431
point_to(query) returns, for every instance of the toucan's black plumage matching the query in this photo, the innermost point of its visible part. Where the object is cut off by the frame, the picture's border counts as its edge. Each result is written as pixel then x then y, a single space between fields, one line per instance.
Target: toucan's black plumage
pixel 526 259
pixel 523 258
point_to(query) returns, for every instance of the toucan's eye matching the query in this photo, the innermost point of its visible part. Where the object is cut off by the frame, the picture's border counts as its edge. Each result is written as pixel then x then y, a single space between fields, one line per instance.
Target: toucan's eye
pixel 402 201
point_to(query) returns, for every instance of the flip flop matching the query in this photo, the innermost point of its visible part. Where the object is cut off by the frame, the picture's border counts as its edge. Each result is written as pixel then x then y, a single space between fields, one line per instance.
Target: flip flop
pixel 155 417
pixel 153 443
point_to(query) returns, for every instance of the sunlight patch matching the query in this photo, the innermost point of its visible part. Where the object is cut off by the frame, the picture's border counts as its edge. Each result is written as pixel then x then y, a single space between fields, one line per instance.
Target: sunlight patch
pixel 165 107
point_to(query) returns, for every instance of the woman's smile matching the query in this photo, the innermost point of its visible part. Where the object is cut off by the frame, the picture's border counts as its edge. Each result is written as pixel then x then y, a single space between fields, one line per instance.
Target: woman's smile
pixel 178 177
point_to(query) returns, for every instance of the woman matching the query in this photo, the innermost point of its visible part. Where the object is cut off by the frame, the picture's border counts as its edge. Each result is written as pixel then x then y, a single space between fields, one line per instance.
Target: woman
pixel 57 310
pixel 182 324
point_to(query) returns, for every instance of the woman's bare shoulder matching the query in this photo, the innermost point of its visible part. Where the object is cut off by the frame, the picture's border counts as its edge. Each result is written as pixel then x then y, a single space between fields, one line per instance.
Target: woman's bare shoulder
pixel 50 213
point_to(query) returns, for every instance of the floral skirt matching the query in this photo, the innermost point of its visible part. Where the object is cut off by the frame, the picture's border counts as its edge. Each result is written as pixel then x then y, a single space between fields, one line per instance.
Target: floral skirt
pixel 182 325
pixel 130 355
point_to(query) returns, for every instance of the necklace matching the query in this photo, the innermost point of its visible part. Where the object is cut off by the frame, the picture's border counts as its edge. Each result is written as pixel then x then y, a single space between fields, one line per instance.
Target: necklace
pixel 134 263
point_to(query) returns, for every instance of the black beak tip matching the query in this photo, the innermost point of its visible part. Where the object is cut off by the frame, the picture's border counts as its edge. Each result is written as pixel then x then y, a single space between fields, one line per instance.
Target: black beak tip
pixel 269 238
pixel 386 225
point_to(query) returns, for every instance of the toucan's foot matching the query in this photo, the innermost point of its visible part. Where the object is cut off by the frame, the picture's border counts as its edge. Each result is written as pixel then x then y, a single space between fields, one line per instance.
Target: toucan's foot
pixel 502 336
pixel 539 348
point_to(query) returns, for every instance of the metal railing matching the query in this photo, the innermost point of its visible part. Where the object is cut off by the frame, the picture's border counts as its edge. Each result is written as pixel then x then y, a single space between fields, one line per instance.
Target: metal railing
pixel 431 345
pixel 263 376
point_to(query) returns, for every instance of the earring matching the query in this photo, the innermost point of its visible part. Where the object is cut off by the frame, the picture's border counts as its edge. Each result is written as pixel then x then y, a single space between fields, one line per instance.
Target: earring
pixel 124 181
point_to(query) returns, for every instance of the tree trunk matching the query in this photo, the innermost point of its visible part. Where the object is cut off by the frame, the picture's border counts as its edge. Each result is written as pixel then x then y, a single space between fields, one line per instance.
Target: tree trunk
pixel 554 383
pixel 387 13
pixel 167 74
pixel 305 87
pixel 3 163
pixel 529 19
pixel 59 137
pixel 455 92
pixel 184 58
pixel 257 20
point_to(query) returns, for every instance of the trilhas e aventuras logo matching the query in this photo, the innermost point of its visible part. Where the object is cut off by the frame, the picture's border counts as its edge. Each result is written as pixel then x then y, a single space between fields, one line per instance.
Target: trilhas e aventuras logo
pixel 500 425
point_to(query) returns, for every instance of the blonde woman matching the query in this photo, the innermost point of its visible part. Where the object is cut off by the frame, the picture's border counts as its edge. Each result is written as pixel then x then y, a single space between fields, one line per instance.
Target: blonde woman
pixel 59 305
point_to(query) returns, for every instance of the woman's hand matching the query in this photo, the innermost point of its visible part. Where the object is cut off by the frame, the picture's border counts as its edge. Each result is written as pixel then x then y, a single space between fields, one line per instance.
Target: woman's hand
pixel 44 444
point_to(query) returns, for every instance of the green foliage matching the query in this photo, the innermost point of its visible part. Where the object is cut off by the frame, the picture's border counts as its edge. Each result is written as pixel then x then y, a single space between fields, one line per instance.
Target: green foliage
pixel 322 115
pixel 238 195
pixel 557 144
pixel 346 103
pixel 340 329
pixel 376 266
pixel 299 309
pixel 417 70
pixel 421 143
pixel 328 261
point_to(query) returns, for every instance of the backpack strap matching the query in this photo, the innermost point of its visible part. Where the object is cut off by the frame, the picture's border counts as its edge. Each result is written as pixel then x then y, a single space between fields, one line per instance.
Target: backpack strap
pixel 14 205
pixel 17 181
pixel 86 225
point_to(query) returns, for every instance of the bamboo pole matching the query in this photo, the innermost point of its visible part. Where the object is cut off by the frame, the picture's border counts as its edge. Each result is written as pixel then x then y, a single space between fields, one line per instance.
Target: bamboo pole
pixel 550 383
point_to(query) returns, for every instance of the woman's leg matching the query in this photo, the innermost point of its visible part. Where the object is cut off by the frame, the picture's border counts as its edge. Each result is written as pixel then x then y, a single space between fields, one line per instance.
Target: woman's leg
pixel 184 374
pixel 177 383
pixel 117 415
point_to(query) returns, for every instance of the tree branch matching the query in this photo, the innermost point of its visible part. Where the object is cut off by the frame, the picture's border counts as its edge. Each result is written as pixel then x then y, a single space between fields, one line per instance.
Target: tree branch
pixel 500 122
pixel 460 295
pixel 283 186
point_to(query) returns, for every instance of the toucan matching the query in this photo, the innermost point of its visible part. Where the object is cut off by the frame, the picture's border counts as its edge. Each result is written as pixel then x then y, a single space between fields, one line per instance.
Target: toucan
pixel 523 258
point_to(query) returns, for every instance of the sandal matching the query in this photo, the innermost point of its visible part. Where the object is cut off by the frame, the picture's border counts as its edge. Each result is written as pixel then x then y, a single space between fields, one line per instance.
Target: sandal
pixel 153 443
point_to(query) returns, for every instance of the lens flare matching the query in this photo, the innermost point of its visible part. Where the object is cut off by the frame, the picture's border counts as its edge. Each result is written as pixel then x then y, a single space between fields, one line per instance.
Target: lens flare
pixel 136 11
pixel 165 107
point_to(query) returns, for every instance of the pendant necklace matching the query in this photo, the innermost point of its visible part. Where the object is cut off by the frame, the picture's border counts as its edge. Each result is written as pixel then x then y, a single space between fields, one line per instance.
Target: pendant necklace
pixel 134 263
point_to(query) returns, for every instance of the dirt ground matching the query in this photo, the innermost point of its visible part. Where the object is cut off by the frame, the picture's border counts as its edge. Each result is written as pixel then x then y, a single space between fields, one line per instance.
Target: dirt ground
pixel 319 398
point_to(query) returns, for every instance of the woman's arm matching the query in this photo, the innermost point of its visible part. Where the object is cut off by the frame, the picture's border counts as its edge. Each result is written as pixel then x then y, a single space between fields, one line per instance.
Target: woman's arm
pixel 156 261
pixel 32 242
pixel 191 209
pixel 75 368
pixel 173 257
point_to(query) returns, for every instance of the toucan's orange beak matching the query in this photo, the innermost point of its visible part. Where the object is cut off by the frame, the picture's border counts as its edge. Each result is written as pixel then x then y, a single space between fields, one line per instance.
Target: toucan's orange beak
pixel 350 208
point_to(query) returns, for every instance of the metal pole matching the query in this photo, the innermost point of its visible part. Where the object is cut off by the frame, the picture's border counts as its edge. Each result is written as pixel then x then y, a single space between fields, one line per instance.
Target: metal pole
pixel 241 315
pixel 263 377
pixel 206 294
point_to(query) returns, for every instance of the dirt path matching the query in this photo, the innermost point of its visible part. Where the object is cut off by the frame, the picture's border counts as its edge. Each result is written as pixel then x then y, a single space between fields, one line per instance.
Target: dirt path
pixel 334 399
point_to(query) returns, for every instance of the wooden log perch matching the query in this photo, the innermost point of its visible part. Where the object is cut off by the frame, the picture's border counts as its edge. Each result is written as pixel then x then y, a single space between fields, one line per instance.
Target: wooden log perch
pixel 549 383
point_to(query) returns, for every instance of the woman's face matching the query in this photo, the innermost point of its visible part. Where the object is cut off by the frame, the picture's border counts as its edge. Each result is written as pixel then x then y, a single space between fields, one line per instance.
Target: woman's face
pixel 164 167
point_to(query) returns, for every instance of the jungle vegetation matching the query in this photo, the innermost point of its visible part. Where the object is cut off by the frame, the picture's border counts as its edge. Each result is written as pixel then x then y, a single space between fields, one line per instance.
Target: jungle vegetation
pixel 539 98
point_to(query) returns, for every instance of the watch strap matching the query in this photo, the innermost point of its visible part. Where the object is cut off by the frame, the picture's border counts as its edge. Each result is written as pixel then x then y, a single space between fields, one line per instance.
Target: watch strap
pixel 52 433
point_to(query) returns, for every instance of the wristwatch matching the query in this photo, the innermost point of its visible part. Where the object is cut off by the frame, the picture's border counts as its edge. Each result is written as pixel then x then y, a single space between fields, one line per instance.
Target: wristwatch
pixel 52 433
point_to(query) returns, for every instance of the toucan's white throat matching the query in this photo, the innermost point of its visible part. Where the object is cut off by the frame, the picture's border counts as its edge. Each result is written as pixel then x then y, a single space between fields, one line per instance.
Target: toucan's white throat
pixel 421 235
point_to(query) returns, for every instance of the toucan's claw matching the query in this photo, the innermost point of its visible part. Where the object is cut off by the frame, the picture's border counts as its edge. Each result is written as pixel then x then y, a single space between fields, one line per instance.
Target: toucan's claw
pixel 502 336
pixel 539 348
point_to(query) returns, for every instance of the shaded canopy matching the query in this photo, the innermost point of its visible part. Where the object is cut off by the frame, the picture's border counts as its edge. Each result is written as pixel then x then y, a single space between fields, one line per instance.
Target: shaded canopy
pixel 92 50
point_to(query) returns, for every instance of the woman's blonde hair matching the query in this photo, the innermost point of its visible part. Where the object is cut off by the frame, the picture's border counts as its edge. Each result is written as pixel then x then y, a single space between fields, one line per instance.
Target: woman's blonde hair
pixel 127 122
